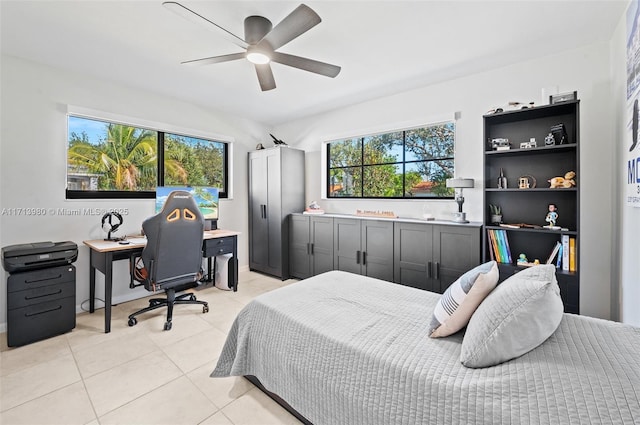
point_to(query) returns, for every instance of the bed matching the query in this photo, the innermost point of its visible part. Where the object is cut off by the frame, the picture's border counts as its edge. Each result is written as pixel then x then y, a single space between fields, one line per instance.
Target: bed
pixel 340 348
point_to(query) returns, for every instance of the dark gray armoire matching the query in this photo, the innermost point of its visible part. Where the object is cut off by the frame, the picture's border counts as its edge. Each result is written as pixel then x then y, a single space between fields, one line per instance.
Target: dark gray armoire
pixel 276 189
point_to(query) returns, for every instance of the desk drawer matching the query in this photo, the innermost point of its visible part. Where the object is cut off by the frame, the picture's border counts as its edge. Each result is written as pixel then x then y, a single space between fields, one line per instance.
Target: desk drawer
pixel 219 246
pixel 40 278
pixel 41 294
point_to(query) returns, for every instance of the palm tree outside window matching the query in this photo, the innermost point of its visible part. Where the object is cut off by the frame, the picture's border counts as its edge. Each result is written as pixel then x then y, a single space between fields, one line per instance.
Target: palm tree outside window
pixel 113 160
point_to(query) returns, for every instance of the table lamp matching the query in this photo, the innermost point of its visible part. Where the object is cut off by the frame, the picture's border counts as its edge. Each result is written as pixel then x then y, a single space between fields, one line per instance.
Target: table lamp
pixel 460 183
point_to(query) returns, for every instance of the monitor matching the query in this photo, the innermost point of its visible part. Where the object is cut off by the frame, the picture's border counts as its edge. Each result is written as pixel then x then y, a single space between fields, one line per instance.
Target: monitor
pixel 206 198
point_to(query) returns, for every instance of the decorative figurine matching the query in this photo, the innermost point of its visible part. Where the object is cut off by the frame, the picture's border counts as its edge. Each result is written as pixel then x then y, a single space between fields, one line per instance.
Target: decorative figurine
pixel 566 181
pixel 276 141
pixel 522 259
pixel 552 217
pixel 549 140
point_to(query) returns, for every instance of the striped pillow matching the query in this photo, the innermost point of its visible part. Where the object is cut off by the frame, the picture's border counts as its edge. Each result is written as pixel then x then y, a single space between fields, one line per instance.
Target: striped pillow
pixel 454 309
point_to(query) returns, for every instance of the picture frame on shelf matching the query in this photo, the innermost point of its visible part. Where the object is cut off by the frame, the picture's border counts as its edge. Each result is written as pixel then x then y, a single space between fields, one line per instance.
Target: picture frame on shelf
pixel 563 97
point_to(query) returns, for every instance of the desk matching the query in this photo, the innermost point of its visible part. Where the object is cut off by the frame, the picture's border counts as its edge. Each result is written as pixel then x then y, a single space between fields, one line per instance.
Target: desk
pixel 104 253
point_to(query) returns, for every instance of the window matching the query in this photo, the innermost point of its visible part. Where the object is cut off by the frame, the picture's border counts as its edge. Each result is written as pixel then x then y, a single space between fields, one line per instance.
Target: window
pixel 194 162
pixel 412 163
pixel 113 160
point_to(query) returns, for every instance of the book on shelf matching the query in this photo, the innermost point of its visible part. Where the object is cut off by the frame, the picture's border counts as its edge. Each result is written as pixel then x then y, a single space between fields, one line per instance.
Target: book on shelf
pixel 505 242
pixel 565 252
pixel 497 247
pixel 494 245
pixel 520 226
pixel 572 255
pixel 559 261
pixel 554 252
pixel 500 246
pixel 490 242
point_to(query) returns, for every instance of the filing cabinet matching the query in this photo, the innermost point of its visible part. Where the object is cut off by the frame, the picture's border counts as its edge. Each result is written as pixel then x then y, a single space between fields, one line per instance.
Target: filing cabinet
pixel 40 304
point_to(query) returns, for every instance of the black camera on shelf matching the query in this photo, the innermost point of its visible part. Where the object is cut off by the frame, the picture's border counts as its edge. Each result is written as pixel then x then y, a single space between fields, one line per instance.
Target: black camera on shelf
pixel 500 144
pixel 559 133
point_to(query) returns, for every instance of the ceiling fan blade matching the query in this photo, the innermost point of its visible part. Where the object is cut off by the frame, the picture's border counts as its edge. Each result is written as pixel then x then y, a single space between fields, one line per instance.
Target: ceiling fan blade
pixel 215 59
pixel 192 16
pixel 265 77
pixel 306 64
pixel 301 20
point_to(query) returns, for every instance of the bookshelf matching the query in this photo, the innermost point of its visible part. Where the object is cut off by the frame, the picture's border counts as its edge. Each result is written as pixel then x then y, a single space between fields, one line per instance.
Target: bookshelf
pixel 530 206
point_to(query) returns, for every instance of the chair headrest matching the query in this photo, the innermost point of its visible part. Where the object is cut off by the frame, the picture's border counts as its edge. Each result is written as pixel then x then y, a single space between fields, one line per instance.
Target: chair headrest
pixel 180 205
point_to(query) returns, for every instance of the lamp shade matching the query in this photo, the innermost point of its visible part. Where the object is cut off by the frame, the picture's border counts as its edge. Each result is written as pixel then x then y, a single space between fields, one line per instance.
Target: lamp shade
pixel 459 183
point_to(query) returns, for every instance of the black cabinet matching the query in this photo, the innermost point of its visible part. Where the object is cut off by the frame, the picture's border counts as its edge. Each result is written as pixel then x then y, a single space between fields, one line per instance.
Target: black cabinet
pixel 310 245
pixel 40 304
pixel 524 208
pixel 220 246
pixel 364 247
pixel 276 189
pixel 432 257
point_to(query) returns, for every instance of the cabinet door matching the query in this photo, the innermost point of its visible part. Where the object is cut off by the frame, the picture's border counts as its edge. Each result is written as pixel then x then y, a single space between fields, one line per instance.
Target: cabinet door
pixel 346 245
pixel 258 226
pixel 275 220
pixel 413 250
pixel 456 250
pixel 321 244
pixel 377 249
pixel 299 246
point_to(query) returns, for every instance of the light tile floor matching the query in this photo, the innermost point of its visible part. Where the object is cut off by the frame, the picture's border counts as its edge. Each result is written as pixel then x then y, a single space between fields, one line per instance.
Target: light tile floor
pixel 140 374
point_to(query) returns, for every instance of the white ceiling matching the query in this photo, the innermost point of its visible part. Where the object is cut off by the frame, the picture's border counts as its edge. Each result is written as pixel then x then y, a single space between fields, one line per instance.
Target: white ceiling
pixel 383 47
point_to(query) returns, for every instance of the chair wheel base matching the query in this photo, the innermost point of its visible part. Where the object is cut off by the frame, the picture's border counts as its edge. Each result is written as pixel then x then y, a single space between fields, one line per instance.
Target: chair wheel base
pixel 167 326
pixel 205 309
pixel 133 321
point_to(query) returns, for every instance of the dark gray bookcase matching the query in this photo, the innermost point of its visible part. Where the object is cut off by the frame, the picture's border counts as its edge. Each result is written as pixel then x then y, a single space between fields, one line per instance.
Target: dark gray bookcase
pixel 530 206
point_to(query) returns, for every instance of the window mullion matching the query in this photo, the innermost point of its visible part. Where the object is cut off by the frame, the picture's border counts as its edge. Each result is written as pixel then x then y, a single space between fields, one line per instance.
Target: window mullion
pixel 160 158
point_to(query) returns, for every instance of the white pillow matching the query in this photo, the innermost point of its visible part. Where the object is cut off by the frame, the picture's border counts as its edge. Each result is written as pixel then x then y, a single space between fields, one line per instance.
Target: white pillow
pixel 460 300
pixel 520 314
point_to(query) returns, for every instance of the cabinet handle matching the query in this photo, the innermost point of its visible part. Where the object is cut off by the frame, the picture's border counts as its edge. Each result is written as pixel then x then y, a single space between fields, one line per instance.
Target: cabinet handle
pixel 308 250
pixel 429 269
pixel 43 311
pixel 364 258
pixel 437 270
pixel 27 298
pixel 27 281
pixel 357 257
pixel 311 248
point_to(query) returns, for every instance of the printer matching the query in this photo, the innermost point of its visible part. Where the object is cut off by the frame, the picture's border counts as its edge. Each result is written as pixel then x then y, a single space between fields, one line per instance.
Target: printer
pixel 38 255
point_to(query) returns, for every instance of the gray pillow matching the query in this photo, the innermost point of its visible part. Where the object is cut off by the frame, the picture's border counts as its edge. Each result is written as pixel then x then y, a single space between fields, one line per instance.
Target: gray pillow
pixel 460 300
pixel 520 314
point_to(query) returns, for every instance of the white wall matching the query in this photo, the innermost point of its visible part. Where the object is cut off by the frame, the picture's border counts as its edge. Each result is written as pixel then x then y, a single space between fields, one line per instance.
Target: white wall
pixel 626 252
pixel 33 162
pixel 585 70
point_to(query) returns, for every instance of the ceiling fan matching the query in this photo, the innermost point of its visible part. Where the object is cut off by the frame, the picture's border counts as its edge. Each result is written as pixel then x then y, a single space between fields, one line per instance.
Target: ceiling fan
pixel 261 42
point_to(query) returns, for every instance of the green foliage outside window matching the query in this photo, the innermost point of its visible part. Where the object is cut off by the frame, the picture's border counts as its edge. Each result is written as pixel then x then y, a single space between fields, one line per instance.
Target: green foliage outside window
pixel 406 164
pixel 193 162
pixel 124 159
pixel 109 157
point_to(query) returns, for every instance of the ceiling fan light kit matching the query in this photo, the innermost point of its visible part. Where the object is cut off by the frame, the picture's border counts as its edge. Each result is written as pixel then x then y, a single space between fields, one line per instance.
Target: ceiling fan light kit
pixel 254 55
pixel 262 40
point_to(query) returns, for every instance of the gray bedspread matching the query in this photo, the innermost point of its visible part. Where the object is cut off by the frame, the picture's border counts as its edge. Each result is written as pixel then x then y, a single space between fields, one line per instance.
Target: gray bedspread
pixel 347 349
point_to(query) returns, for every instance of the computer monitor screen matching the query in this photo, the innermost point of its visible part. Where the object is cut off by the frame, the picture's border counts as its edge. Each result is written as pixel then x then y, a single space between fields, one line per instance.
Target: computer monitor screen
pixel 206 198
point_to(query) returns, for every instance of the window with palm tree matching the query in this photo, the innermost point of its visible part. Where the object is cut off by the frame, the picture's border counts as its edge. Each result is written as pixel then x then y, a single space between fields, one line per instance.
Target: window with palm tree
pixel 108 160
pixel 413 163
